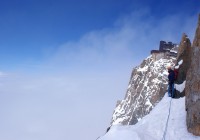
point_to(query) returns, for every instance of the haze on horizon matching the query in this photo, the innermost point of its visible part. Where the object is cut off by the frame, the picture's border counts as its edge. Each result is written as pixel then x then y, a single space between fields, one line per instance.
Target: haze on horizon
pixel 64 64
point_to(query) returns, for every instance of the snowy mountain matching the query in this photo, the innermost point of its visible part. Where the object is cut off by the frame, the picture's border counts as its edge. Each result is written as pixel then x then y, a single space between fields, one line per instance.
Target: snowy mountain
pixel 165 122
pixel 146 105
pixel 149 81
pixel 146 88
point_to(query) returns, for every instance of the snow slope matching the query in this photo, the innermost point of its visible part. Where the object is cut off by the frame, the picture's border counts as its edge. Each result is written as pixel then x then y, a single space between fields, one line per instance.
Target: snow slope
pixel 152 126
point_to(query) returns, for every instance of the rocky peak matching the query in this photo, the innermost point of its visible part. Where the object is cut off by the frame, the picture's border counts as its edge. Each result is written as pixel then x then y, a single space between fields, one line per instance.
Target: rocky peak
pixel 184 54
pixel 184 44
pixel 146 88
pixel 196 42
pixel 192 89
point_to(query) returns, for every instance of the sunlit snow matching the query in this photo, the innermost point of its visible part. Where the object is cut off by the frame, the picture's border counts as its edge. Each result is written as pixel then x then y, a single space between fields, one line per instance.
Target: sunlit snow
pixel 152 126
pixel 180 62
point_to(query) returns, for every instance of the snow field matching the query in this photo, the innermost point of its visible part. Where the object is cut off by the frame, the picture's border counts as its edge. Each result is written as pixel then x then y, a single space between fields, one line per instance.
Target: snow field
pixel 152 126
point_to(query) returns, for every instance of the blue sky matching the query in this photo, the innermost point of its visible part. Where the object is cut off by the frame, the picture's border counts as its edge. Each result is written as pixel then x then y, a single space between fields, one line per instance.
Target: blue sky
pixel 28 28
pixel 64 64
pixel 31 29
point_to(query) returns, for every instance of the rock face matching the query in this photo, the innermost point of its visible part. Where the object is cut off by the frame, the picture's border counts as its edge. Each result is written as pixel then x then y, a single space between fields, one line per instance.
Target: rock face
pixel 196 41
pixel 147 86
pixel 193 87
pixel 184 56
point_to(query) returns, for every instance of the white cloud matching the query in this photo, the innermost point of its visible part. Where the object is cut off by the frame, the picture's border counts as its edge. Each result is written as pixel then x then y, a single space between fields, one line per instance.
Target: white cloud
pixel 2 74
pixel 73 93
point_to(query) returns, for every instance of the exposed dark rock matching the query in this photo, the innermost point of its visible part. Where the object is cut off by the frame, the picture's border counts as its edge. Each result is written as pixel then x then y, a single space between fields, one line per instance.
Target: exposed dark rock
pixel 192 89
pixel 196 42
pixel 146 88
pixel 184 54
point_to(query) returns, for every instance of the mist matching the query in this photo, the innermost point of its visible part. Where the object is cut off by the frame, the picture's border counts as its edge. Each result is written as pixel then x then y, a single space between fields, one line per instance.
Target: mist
pixel 71 94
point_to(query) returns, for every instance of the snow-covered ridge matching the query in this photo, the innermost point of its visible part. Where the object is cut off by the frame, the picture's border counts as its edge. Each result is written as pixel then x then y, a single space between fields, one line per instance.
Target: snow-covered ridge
pixel 152 126
pixel 146 88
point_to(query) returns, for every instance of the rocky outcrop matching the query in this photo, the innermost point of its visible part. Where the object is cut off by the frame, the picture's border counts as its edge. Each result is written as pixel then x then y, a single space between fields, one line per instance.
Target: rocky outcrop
pixel 183 62
pixel 147 86
pixel 192 89
pixel 184 54
pixel 196 41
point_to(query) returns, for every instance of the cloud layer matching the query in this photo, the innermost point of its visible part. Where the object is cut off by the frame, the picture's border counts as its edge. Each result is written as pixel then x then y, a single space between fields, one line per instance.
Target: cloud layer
pixel 71 95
